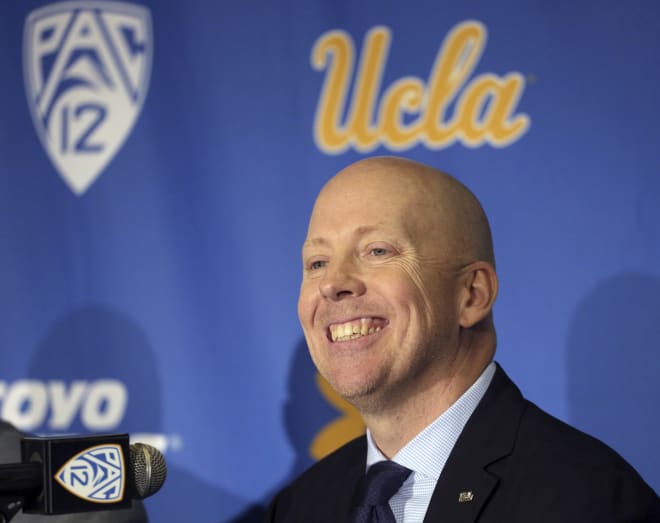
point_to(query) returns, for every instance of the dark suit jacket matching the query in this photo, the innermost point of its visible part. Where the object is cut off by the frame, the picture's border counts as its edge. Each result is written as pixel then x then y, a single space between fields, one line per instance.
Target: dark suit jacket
pixel 10 452
pixel 520 465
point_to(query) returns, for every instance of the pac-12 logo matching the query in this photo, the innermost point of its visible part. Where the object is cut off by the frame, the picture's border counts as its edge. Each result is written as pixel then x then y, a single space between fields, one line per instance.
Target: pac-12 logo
pixel 86 67
pixel 96 474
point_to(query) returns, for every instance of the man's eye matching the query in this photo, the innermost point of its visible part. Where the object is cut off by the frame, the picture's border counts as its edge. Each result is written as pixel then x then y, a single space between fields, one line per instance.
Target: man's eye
pixel 379 251
pixel 317 264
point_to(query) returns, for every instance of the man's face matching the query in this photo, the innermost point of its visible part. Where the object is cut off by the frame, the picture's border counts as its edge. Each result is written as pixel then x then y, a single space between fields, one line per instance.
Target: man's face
pixel 378 298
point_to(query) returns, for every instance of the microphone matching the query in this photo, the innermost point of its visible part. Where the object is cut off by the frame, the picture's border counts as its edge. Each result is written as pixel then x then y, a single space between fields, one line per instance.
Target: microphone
pixel 68 474
pixel 149 470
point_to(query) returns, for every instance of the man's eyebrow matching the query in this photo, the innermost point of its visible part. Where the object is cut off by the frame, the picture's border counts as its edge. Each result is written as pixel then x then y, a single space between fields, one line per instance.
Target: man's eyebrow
pixel 320 241
pixel 366 229
pixel 315 242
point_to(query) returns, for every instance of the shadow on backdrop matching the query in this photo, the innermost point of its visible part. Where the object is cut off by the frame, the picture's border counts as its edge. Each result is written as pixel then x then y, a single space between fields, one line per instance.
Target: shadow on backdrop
pixel 99 343
pixel 305 413
pixel 614 368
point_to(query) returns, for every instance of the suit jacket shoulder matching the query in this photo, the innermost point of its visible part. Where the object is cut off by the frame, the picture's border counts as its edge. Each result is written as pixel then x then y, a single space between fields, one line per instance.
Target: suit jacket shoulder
pixel 512 463
pixel 323 492
pixel 520 464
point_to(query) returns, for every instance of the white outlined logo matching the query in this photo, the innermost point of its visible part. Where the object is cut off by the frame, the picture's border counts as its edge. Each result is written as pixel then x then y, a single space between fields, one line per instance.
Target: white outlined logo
pixel 96 474
pixel 87 67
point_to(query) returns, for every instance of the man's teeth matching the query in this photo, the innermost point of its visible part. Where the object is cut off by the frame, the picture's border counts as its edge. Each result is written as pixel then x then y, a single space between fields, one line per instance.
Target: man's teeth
pixel 355 329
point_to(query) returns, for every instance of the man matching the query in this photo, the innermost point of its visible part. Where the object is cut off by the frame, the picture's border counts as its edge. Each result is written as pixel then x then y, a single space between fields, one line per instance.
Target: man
pixel 396 306
pixel 10 452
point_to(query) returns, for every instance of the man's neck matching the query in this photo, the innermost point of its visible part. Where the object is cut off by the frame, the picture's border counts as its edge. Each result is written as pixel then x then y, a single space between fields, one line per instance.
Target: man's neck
pixel 395 426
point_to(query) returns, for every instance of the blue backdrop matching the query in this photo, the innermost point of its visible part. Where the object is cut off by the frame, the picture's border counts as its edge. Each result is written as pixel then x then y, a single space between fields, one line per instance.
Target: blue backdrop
pixel 158 163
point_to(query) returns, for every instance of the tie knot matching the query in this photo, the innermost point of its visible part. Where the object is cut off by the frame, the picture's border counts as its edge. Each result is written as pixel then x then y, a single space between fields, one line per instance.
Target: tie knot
pixel 382 481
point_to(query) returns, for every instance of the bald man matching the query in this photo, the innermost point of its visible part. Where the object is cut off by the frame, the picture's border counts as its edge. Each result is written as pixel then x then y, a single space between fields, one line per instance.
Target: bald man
pixel 396 305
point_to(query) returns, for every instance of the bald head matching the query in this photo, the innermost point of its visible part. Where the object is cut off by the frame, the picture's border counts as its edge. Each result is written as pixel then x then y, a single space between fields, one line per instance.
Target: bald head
pixel 436 206
pixel 398 285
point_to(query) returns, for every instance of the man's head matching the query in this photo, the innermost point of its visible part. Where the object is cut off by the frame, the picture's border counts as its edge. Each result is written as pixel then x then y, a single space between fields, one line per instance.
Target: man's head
pixel 398 282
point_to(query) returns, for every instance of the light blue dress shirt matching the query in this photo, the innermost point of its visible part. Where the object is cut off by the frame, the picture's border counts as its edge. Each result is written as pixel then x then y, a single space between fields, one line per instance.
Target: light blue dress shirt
pixel 427 453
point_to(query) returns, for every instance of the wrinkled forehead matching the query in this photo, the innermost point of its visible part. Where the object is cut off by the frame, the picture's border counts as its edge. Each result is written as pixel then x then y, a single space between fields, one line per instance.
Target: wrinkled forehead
pixel 438 214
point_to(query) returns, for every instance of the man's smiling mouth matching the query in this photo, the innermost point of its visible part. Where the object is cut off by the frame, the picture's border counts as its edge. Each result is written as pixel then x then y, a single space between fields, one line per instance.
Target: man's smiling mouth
pixel 354 329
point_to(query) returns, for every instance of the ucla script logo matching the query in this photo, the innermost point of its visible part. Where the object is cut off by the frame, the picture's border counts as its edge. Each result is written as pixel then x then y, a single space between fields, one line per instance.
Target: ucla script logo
pixel 448 107
pixel 96 474
pixel 87 67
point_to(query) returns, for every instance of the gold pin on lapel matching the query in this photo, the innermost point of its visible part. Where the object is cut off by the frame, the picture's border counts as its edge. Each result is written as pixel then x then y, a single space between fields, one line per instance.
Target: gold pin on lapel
pixel 465 496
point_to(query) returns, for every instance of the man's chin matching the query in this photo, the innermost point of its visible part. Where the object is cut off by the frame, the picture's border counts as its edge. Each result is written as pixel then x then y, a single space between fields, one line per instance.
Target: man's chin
pixel 362 394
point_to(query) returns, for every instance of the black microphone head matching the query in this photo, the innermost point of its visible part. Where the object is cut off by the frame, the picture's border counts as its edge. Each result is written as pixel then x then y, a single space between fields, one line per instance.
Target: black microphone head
pixel 148 470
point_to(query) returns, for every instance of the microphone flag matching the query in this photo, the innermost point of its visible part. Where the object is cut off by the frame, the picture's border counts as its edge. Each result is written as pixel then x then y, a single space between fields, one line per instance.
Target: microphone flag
pixel 81 473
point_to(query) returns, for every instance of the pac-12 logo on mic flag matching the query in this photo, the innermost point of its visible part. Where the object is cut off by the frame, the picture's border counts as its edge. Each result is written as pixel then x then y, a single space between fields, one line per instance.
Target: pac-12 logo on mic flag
pixel 96 474
pixel 87 67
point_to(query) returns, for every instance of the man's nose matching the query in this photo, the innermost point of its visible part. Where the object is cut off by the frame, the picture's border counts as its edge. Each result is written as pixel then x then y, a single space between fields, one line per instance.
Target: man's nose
pixel 341 280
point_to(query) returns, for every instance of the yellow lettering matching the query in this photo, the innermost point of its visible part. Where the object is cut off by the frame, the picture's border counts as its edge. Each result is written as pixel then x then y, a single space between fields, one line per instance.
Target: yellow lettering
pixel 503 128
pixel 339 431
pixel 369 76
pixel 473 104
pixel 409 111
pixel 335 47
pixel 454 63
pixel 485 109
pixel 403 96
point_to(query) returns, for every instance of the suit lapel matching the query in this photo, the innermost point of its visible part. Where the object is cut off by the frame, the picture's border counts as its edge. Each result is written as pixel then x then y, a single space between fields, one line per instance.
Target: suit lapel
pixel 461 498
pixel 355 468
pixel 343 479
pixel 465 485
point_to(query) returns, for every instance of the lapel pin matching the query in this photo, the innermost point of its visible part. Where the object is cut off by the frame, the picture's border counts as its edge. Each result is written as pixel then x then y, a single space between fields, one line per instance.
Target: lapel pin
pixel 465 496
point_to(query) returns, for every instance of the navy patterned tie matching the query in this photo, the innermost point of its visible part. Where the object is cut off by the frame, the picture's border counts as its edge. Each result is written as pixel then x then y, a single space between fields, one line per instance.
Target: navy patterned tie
pixel 382 481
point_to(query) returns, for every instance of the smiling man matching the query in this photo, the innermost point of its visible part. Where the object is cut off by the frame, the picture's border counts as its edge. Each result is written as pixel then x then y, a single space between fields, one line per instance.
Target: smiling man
pixel 396 305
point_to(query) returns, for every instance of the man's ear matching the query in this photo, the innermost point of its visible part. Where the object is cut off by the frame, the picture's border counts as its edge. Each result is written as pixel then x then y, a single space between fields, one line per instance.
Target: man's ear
pixel 478 291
